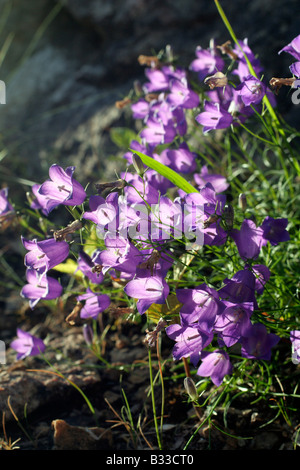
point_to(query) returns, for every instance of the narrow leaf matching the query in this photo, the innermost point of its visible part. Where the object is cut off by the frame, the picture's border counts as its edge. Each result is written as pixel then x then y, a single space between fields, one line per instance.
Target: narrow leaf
pixel 163 170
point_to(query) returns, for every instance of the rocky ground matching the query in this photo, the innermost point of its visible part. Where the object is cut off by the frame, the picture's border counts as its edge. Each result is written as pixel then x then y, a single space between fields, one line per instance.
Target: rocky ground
pixel 66 65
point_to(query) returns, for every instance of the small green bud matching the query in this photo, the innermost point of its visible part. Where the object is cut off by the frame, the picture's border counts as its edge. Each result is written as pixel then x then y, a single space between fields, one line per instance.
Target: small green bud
pixel 190 388
pixel 243 201
pixel 138 164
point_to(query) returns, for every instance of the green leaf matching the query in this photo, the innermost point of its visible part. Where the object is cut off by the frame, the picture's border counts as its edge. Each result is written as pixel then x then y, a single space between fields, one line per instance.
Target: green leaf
pixel 122 136
pixel 163 170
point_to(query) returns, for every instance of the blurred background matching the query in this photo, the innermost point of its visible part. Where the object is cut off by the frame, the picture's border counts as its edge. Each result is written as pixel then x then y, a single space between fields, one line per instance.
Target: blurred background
pixel 66 63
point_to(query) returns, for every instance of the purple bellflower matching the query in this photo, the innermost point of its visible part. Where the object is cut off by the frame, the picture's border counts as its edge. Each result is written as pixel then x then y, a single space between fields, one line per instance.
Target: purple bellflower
pixel 5 205
pixel 295 69
pixel 234 322
pixel 257 343
pixel 88 266
pixel 214 117
pixel 295 340
pixel 251 90
pixel 215 365
pixel 190 341
pixel 201 305
pixel 120 255
pixel 27 345
pixel 40 287
pixel 148 291
pixel 181 95
pixel 44 255
pixel 61 188
pixel 95 303
pixel 274 231
pixel 248 239
pixel 181 160
pixel 293 48
pixel 218 182
pixel 206 63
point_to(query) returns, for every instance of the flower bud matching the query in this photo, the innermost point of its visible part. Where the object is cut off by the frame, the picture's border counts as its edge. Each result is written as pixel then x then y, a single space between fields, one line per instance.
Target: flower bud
pixel 216 81
pixel 88 334
pixel 243 201
pixel 190 388
pixel 228 216
pixel 138 164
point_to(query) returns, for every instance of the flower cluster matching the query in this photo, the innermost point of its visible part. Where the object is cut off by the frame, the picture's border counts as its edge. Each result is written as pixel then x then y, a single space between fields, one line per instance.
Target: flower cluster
pixel 146 223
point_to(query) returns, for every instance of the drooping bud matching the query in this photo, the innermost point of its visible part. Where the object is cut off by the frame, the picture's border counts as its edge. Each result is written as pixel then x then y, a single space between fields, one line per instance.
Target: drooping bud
pixel 138 164
pixel 114 185
pixel 243 201
pixel 64 233
pixel 228 216
pixel 88 334
pixel 190 388
pixel 216 81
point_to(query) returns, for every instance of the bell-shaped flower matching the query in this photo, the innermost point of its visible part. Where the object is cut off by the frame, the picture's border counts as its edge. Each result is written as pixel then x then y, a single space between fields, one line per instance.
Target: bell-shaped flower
pixel 293 48
pixel 251 90
pixel 181 159
pixel 218 182
pixel 274 231
pixel 207 62
pixel 27 344
pixel 182 95
pixel 258 343
pixel 248 239
pixel 240 288
pixel 190 341
pixel 5 205
pixel 61 188
pixel 148 291
pixel 44 255
pixel 214 117
pixel 234 322
pixel 295 340
pixel 94 303
pixel 121 255
pixel 201 305
pixel 40 287
pixel 215 365
pixel 90 266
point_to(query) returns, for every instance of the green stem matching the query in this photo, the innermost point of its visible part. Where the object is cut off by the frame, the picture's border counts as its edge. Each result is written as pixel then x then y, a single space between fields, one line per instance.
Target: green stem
pixel 153 401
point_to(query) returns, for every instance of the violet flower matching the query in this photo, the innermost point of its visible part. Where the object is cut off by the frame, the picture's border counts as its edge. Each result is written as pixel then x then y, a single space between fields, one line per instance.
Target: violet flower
pixel 295 340
pixel 44 255
pixel 257 343
pixel 240 288
pixel 201 305
pixel 27 345
pixel 251 90
pixel 293 48
pixel 190 341
pixel 215 365
pixel 40 287
pixel 61 188
pixel 5 205
pixel 295 70
pixel 88 266
pixel 218 182
pixel 95 304
pixel 148 291
pixel 206 63
pixel 234 322
pixel 274 231
pixel 121 255
pixel 181 95
pixel 214 117
pixel 181 160
pixel 248 239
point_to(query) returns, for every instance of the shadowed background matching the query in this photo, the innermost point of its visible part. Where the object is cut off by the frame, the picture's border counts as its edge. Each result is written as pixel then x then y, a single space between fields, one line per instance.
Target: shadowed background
pixel 66 63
